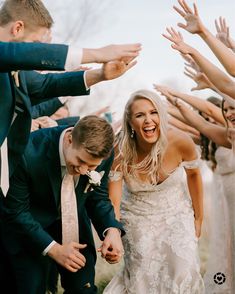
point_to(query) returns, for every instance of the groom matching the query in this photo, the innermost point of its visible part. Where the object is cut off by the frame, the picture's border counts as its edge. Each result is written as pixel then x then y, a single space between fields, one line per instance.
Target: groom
pixel 32 208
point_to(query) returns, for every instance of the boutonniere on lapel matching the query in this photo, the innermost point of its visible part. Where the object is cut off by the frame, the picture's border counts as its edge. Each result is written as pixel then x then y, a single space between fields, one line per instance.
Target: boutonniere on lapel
pixel 15 75
pixel 94 180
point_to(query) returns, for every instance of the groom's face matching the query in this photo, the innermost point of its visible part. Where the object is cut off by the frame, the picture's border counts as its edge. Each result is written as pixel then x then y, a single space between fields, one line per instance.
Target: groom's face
pixel 78 160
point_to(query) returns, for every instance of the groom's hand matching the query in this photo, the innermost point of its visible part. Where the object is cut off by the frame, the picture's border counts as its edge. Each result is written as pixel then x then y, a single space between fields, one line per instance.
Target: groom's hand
pixel 112 248
pixel 68 255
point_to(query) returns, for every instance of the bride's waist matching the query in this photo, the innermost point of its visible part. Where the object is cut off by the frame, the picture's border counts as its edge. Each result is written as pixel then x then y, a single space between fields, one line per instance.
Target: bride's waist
pixel 135 204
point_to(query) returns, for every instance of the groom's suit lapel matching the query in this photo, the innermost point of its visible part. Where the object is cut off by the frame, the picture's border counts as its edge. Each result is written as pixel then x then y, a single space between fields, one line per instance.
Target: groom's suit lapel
pixel 54 169
pixel 81 186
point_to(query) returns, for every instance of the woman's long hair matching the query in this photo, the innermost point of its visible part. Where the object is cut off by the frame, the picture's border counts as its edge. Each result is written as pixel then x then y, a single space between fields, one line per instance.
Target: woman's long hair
pixel 208 147
pixel 128 146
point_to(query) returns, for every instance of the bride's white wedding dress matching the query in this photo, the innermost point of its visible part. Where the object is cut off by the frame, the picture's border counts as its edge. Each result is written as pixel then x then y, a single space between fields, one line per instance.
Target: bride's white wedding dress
pixel 161 249
pixel 221 240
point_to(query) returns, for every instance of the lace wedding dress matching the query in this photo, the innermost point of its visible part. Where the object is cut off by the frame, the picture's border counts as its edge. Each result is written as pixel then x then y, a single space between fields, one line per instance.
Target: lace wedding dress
pixel 220 272
pixel 160 244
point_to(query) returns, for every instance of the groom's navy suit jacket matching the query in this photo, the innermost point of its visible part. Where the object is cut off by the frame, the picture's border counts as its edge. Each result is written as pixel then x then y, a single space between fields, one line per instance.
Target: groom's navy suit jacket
pixel 33 201
pixel 33 86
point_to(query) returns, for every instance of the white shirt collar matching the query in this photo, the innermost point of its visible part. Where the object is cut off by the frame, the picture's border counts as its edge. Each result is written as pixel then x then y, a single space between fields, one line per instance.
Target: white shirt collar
pixel 61 141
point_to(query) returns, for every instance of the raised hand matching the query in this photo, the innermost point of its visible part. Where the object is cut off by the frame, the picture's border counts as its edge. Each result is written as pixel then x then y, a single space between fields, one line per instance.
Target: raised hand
pixel 178 41
pixel 223 33
pixel 114 69
pixel 193 24
pixel 190 62
pixel 199 78
pixel 164 90
pixel 117 52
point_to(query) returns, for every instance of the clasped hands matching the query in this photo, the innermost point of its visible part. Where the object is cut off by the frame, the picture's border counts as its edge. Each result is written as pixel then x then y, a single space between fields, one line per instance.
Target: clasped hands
pixel 112 248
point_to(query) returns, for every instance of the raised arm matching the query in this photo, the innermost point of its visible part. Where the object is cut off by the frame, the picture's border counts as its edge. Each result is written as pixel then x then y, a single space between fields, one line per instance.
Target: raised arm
pixel 111 52
pixel 217 134
pixel 198 103
pixel 182 126
pixel 39 56
pixel 194 25
pixel 222 81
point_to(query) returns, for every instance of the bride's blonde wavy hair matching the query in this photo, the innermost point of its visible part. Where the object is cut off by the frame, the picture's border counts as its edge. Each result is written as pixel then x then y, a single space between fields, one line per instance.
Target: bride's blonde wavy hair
pixel 127 146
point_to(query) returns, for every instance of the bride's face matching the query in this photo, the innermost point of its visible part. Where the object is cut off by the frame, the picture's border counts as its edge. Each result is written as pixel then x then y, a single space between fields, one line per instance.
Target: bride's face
pixel 229 112
pixel 145 121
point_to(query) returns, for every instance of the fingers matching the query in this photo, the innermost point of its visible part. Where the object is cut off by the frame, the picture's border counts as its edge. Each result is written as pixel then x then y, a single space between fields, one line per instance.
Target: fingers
pixel 185 6
pixel 195 9
pixel 190 71
pixel 181 25
pixel 217 26
pixel 188 75
pixel 130 65
pixel 131 54
pixel 132 47
pixel 223 23
pixel 173 36
pixel 74 265
pixel 79 246
pixel 179 11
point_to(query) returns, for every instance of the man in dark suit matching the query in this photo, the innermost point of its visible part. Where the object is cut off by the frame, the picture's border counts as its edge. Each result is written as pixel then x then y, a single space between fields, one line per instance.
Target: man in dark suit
pixel 32 214
pixel 30 21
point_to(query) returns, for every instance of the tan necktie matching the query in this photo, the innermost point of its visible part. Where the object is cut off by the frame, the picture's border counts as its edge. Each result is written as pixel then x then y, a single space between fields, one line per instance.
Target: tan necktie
pixel 4 176
pixel 69 213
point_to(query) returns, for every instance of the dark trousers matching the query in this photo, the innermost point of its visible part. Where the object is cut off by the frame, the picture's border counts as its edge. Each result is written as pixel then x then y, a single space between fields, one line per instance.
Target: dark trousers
pixel 33 270
pixel 7 276
pixel 32 275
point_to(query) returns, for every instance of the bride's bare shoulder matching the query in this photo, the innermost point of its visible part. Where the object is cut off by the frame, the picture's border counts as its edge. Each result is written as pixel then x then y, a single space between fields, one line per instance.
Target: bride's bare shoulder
pixel 181 142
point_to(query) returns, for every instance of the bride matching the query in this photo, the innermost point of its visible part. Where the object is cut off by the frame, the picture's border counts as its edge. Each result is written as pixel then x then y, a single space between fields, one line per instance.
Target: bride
pixel 162 215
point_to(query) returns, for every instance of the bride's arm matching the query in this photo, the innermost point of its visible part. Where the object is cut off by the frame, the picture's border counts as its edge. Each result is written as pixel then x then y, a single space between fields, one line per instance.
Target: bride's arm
pixel 116 180
pixel 194 180
pixel 115 194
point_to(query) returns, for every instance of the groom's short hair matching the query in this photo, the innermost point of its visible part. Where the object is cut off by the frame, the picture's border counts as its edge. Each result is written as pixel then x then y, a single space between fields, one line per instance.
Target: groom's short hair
pixel 32 12
pixel 95 135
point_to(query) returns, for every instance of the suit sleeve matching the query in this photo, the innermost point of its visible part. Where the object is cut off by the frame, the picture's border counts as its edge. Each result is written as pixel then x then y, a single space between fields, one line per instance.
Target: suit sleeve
pixel 99 206
pixel 46 108
pixel 16 215
pixel 55 84
pixel 32 56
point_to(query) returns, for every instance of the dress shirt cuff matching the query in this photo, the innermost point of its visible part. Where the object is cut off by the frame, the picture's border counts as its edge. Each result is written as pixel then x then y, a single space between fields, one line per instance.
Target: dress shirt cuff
pixel 84 77
pixel 63 99
pixel 105 231
pixel 45 251
pixel 74 58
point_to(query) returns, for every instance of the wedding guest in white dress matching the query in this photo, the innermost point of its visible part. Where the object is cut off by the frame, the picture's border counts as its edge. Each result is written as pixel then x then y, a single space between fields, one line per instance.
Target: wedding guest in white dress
pixel 162 215
pixel 220 273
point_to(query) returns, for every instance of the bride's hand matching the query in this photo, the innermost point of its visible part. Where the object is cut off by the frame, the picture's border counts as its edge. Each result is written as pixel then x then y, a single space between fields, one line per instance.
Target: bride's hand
pixel 198 225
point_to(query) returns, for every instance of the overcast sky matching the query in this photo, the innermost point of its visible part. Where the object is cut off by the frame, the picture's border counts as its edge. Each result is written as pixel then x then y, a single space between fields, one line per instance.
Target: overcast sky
pixel 144 21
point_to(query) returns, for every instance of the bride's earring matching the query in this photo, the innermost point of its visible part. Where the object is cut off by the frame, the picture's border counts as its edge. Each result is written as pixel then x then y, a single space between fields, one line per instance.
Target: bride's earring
pixel 132 133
